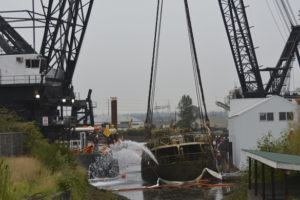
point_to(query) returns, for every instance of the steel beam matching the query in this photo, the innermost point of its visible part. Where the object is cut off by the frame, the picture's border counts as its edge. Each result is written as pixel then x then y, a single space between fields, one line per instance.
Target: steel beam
pixel 249 177
pixel 263 181
pixel 255 177
pixel 272 183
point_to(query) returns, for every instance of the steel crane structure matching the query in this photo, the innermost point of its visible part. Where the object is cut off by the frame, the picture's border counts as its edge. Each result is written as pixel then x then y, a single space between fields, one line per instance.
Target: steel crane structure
pixel 38 86
pixel 244 56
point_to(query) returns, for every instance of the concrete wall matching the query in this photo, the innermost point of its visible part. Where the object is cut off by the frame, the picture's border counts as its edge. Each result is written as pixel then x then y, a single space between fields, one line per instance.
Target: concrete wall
pixel 11 144
pixel 246 128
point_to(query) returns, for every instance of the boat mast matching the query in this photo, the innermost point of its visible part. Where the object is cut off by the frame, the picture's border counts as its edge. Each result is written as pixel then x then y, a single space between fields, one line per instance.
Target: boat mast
pixel 149 117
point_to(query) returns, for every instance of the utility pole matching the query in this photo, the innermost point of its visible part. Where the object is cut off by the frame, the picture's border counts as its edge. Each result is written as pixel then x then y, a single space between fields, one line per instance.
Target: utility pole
pixel 33 23
pixel 108 110
pixel 175 116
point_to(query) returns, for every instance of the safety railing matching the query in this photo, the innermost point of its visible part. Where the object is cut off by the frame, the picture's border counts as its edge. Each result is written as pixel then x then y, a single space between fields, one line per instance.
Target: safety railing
pixel 20 79
pixel 186 157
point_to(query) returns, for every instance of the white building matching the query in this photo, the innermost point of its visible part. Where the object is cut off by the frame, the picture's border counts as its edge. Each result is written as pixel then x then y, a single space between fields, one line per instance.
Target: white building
pixel 250 119
pixel 125 121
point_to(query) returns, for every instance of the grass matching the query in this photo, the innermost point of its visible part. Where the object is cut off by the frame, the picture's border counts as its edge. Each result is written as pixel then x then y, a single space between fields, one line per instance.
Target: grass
pixel 4 180
pixel 30 177
pixel 241 192
pixel 23 168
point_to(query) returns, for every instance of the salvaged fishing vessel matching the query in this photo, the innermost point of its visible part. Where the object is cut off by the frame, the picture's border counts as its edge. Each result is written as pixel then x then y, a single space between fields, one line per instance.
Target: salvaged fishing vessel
pixel 181 157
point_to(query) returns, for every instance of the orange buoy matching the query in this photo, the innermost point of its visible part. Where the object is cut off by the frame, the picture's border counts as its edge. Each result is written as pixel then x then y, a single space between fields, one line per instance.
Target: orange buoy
pixel 123 175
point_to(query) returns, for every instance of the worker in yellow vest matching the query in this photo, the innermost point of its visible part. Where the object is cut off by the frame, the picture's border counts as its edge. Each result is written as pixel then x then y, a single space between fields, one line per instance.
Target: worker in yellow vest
pixel 106 133
pixel 111 134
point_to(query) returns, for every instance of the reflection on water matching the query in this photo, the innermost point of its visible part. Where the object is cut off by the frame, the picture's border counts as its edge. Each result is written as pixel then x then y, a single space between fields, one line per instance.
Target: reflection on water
pixel 130 165
pixel 134 180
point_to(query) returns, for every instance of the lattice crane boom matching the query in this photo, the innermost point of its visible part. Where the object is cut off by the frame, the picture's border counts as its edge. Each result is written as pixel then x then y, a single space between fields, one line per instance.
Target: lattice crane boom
pixel 243 51
pixel 278 75
pixel 66 23
pixel 240 40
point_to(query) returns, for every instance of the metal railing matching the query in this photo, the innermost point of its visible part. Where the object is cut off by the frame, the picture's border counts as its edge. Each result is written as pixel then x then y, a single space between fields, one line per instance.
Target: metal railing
pixel 20 79
pixel 185 157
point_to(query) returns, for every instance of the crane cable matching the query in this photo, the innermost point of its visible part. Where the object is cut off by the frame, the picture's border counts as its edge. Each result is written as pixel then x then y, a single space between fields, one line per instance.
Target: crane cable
pixel 291 12
pixel 286 32
pixel 275 21
pixel 288 12
pixel 154 64
pixel 199 86
pixel 283 16
pixel 196 81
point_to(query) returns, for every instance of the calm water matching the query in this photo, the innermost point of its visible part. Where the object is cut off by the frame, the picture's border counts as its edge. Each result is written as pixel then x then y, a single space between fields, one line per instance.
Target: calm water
pixel 129 161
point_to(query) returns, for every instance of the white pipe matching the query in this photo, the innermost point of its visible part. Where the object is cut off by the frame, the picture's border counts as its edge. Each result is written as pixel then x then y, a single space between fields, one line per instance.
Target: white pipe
pixel 90 128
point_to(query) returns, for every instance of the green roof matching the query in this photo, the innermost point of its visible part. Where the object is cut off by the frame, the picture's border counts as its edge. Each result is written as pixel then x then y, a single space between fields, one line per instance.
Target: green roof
pixel 276 160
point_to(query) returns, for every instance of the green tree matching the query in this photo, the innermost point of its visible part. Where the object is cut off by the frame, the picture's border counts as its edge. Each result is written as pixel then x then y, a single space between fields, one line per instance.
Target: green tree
pixel 186 112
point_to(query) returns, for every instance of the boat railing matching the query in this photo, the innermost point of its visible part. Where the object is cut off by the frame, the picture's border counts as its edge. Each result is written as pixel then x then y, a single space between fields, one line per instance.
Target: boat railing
pixel 197 156
pixel 164 140
pixel 179 158
pixel 169 159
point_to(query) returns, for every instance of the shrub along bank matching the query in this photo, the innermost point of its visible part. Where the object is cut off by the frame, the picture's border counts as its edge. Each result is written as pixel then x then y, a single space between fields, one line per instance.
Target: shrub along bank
pixel 45 170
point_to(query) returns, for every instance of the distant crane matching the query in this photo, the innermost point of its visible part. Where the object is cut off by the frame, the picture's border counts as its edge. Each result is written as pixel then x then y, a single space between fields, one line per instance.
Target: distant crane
pixel 162 107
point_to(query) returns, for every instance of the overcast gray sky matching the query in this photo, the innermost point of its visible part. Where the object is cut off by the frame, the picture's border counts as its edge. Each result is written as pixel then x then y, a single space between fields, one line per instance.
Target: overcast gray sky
pixel 116 56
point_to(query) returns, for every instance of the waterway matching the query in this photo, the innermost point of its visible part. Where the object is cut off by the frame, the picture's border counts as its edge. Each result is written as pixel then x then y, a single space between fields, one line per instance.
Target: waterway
pixel 130 165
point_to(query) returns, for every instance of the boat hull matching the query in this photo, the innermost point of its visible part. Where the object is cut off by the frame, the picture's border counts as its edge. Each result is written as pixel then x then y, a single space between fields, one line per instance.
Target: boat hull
pixel 179 170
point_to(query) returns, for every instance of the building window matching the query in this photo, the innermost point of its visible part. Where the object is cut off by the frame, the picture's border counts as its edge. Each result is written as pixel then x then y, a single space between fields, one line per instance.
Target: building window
pixel 270 116
pixel 35 63
pixel 262 116
pixel 283 116
pixel 266 116
pixel 290 116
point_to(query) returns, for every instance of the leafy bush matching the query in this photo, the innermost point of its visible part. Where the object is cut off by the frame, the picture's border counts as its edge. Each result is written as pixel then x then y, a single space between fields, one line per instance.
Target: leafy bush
pixel 76 181
pixel 270 144
pixel 241 192
pixel 68 156
pixel 287 143
pixel 8 121
pixel 49 155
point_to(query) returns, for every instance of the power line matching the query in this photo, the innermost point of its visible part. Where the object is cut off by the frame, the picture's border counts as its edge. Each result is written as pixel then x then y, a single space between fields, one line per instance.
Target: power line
pixel 275 21
pixel 287 12
pixel 286 32
pixel 282 14
pixel 291 11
